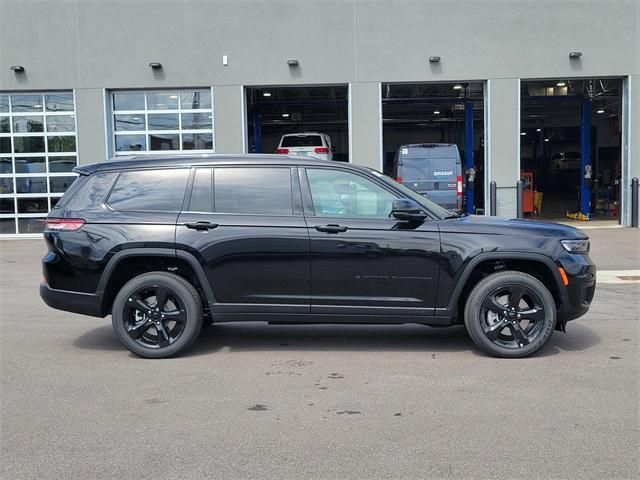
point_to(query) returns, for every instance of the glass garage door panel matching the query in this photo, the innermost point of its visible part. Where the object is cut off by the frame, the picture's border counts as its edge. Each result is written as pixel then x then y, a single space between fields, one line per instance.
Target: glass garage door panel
pixel 37 155
pixel 162 121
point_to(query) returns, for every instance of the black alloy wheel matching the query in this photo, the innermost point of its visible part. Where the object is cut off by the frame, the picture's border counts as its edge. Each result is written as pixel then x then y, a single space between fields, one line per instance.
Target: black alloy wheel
pixel 510 314
pixel 157 314
pixel 154 316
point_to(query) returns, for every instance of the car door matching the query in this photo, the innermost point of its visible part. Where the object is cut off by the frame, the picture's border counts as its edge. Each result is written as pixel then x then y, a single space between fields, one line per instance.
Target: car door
pixel 246 226
pixel 362 261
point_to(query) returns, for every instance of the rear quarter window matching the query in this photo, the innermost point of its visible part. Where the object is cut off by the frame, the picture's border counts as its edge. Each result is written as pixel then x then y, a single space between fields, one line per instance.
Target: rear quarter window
pixel 87 193
pixel 149 190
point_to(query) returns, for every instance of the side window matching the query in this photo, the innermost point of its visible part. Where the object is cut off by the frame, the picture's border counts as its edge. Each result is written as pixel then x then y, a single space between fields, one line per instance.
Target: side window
pixel 202 191
pixel 88 193
pixel 248 190
pixel 345 194
pixel 149 190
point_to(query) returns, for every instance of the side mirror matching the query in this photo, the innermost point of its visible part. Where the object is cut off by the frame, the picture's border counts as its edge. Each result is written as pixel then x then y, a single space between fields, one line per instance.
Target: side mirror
pixel 408 210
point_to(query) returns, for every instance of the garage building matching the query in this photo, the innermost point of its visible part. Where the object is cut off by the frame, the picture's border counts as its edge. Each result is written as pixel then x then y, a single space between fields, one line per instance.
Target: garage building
pixel 546 93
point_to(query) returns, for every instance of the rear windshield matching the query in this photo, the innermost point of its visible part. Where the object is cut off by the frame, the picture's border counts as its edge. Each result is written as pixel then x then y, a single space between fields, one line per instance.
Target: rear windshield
pixel 302 141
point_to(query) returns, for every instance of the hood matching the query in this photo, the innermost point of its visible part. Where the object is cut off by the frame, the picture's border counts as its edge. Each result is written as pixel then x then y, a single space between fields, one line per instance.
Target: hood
pixel 511 226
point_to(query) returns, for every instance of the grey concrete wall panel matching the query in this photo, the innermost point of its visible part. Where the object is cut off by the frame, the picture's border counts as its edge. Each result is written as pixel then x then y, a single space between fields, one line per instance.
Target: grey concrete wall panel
pixel 366 131
pixel 229 120
pixel 503 107
pixel 110 43
pixel 92 141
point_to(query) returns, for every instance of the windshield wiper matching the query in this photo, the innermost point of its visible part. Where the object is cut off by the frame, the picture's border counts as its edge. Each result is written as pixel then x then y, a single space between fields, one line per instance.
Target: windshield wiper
pixel 456 215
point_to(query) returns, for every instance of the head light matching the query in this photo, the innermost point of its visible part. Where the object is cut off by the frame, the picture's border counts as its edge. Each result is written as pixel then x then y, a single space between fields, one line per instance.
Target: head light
pixel 575 246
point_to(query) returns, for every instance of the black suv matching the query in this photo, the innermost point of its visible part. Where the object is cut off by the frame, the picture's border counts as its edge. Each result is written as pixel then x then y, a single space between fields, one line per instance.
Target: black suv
pixel 167 244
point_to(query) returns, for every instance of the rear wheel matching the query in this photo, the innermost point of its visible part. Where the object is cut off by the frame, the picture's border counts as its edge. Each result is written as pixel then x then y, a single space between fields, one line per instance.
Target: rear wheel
pixel 157 315
pixel 510 314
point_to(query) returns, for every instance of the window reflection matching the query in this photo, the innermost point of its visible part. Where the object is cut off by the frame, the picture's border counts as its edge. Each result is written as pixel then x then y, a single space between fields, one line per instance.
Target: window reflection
pixel 28 144
pixel 162 101
pixel 185 111
pixel 163 121
pixel 28 124
pixel 197 141
pixel 26 103
pixel 59 102
pixel 61 123
pixel 130 143
pixel 30 165
pixel 168 141
pixel 128 101
pixel 129 121
pixel 26 150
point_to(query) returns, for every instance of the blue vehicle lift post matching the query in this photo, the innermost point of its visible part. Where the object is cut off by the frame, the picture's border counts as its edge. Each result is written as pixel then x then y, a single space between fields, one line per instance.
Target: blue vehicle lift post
pixel 585 158
pixel 257 132
pixel 468 124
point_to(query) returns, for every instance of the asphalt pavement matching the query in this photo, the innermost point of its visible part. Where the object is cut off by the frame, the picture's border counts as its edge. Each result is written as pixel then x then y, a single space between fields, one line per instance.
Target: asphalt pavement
pixel 306 402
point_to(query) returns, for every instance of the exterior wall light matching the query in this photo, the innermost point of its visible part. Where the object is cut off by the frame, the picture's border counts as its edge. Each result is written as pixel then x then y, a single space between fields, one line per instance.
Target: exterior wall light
pixel 155 65
pixel 575 54
pixel 292 63
pixel 17 68
pixel 434 59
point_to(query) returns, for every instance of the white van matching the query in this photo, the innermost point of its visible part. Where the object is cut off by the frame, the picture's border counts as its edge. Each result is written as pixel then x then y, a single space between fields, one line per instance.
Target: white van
pixel 309 144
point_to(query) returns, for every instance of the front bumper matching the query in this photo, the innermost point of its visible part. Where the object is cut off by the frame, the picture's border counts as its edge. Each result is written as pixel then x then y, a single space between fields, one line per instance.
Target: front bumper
pixel 76 302
pixel 579 293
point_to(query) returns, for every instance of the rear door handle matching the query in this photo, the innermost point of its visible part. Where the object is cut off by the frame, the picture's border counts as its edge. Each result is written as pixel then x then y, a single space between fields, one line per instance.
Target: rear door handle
pixel 204 226
pixel 331 228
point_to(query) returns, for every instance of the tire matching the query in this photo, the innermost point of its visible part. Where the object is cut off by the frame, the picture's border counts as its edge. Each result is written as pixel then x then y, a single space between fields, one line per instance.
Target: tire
pixel 152 331
pixel 503 326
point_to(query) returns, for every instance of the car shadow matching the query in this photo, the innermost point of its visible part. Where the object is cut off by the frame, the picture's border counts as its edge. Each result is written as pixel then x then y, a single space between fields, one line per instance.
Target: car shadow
pixel 577 337
pixel 330 337
pixel 257 336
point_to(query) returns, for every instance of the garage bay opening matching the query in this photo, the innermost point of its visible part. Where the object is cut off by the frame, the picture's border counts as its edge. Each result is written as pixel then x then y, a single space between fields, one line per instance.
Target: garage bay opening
pixel 433 140
pixel 310 121
pixel 570 155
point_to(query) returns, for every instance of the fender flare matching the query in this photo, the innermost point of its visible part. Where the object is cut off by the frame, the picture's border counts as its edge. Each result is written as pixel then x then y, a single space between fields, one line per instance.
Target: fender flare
pixel 114 261
pixel 504 255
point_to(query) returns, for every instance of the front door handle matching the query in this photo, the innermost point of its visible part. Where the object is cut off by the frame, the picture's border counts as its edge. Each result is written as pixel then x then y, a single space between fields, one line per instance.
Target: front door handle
pixel 331 228
pixel 204 226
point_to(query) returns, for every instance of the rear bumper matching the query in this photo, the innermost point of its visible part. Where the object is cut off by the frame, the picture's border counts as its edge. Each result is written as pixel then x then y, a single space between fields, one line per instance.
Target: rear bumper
pixel 82 303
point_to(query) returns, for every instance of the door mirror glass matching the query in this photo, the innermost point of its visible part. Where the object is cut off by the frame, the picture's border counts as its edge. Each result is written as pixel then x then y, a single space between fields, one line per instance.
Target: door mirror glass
pixel 408 210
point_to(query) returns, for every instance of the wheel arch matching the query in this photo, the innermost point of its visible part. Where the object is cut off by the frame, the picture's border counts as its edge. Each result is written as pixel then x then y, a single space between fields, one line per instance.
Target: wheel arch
pixel 129 263
pixel 537 265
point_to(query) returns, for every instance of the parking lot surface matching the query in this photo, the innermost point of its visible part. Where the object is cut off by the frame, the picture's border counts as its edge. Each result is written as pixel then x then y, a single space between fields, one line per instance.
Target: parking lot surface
pixel 296 402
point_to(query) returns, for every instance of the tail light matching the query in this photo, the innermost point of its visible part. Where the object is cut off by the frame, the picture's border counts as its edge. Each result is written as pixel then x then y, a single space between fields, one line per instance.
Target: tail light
pixel 399 179
pixel 282 151
pixel 459 186
pixel 321 150
pixel 66 224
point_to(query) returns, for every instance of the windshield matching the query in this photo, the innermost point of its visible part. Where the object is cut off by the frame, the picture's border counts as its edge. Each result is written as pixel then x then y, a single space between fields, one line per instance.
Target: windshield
pixel 430 206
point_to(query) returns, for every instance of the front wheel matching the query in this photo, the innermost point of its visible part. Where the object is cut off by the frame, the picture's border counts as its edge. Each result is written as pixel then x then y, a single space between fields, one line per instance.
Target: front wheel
pixel 510 315
pixel 157 314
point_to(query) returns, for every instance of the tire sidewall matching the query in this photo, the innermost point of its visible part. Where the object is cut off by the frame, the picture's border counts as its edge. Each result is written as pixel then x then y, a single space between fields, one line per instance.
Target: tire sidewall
pixel 190 302
pixel 473 312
